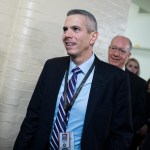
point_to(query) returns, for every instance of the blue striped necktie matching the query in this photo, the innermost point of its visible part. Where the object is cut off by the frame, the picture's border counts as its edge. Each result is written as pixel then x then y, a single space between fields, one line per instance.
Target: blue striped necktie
pixel 59 125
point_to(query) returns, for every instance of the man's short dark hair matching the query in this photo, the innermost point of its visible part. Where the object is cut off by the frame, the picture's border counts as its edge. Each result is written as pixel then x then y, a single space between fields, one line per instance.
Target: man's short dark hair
pixel 91 21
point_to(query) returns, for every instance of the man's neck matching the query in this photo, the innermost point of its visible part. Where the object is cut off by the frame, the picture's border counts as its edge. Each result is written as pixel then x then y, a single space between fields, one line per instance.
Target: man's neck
pixel 80 60
pixel 123 68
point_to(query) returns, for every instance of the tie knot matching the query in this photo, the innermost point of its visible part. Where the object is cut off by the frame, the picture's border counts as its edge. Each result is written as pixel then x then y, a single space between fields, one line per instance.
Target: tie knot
pixel 76 70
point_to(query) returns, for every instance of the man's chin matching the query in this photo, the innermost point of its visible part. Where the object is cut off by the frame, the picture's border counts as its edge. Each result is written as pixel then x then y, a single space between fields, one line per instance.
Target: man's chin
pixel 70 53
pixel 115 64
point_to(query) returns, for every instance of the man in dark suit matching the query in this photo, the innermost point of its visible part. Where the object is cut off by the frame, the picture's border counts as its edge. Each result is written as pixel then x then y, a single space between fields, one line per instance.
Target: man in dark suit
pixel 118 53
pixel 100 115
pixel 146 142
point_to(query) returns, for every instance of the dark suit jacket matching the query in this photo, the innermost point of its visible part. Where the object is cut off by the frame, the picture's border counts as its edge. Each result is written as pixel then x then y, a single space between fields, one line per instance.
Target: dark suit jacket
pixel 148 110
pixel 146 142
pixel 138 100
pixel 108 124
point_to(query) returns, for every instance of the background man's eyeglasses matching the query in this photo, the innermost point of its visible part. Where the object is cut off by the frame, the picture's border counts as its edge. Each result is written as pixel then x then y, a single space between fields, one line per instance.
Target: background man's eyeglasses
pixel 121 51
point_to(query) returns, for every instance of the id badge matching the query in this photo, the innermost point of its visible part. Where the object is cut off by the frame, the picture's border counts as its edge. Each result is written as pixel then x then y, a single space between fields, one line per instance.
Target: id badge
pixel 66 141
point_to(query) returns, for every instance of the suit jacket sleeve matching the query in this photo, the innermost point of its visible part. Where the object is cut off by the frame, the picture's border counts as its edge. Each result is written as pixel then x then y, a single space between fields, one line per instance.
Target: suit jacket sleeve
pixel 108 121
pixel 30 123
pixel 121 126
pixel 138 100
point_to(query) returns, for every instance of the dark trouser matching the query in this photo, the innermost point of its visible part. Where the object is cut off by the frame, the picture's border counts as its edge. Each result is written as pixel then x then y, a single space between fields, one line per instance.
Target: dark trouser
pixel 136 141
pixel 146 143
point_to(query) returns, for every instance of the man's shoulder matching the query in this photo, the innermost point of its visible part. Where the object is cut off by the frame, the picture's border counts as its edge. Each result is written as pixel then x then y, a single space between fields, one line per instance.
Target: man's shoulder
pixel 108 67
pixel 58 59
pixel 134 78
pixel 56 63
pixel 109 71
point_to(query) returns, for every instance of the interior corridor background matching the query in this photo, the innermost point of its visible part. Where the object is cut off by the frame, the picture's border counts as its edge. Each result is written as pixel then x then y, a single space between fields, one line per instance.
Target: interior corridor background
pixel 30 33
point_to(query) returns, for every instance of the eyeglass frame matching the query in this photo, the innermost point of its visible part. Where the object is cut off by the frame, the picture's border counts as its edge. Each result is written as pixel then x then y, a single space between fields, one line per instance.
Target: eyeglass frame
pixel 121 51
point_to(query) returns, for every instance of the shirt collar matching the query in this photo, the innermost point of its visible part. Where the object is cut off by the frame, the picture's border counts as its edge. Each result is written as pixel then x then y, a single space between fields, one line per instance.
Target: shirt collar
pixel 85 66
pixel 123 68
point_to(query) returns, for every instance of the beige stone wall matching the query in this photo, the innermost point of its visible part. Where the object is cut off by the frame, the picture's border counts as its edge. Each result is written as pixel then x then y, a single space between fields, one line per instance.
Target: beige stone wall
pixel 30 33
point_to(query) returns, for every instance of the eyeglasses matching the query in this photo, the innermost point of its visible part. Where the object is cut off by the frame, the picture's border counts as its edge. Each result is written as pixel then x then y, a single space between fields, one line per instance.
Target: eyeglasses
pixel 121 51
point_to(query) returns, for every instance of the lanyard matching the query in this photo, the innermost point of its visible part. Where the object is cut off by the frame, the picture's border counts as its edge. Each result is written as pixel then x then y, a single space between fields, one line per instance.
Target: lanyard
pixel 67 106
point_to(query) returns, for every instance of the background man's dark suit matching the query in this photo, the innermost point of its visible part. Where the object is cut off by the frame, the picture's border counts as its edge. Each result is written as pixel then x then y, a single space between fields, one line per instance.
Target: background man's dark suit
pixel 146 142
pixel 138 102
pixel 108 115
pixel 138 98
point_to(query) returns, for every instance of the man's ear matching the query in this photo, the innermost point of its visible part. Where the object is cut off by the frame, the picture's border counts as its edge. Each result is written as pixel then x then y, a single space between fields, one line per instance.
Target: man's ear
pixel 129 55
pixel 94 36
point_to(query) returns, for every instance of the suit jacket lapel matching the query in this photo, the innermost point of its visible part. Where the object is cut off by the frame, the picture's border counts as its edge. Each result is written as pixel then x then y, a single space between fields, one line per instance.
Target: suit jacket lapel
pixel 55 83
pixel 96 88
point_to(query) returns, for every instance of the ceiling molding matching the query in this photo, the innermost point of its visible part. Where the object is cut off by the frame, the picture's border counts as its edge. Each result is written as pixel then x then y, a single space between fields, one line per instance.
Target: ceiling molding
pixel 143 4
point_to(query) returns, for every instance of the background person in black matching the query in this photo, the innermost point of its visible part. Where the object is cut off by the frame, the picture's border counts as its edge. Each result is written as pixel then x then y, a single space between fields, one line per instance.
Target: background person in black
pixel 148 86
pixel 118 54
pixel 146 142
pixel 133 65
